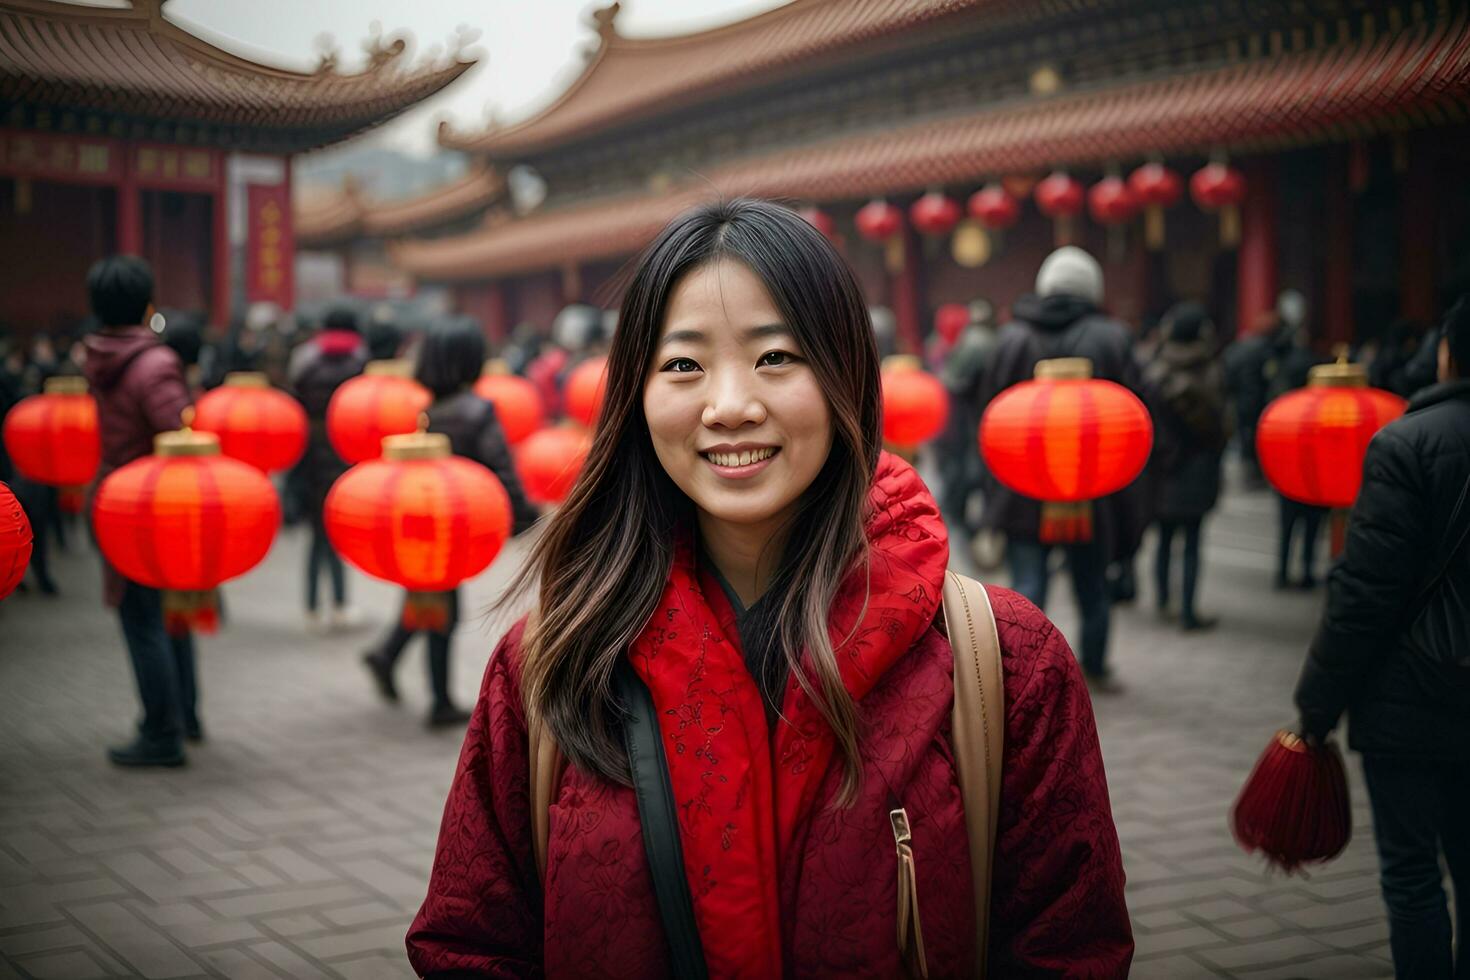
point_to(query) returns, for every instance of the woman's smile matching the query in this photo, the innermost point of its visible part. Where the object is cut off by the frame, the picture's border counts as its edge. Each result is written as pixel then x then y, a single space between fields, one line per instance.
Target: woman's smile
pixel 739 462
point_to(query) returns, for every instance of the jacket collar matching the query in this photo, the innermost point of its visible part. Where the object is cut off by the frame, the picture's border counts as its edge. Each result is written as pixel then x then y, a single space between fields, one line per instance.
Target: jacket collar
pixel 1436 393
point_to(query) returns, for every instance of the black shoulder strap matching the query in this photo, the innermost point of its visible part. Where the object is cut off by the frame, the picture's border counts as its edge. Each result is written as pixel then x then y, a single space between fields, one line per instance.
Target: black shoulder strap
pixel 1462 507
pixel 660 819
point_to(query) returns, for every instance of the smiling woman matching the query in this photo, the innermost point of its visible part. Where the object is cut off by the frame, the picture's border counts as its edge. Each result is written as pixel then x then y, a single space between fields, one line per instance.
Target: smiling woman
pixel 738 651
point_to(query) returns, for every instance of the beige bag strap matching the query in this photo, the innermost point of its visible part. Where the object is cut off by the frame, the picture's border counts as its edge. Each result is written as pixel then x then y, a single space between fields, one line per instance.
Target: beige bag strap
pixel 979 733
pixel 546 769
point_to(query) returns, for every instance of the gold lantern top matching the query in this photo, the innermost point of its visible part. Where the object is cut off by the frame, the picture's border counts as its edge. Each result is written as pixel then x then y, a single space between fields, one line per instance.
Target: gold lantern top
pixel 416 445
pixel 1064 369
pixel 247 379
pixel 1339 374
pixel 185 441
pixel 398 367
pixel 65 385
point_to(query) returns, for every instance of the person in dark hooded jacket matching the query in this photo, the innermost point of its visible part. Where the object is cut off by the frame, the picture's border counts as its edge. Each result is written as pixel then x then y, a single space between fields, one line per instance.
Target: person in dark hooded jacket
pixel 1064 319
pixel 1186 396
pixel 1393 651
pixel 139 385
pixel 449 361
pixel 318 367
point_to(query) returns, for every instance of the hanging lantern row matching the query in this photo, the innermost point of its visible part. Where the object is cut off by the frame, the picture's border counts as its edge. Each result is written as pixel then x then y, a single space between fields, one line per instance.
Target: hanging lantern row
pixel 185 520
pixel 255 423
pixel 1217 188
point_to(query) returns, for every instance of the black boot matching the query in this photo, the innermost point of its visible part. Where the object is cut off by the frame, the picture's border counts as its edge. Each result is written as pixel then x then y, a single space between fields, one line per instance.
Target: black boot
pixel 382 671
pixel 147 752
pixel 444 714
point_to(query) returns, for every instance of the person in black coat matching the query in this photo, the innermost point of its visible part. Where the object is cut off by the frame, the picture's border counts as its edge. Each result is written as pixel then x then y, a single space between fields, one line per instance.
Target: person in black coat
pixel 1186 395
pixel 317 369
pixel 1393 651
pixel 1064 318
pixel 449 361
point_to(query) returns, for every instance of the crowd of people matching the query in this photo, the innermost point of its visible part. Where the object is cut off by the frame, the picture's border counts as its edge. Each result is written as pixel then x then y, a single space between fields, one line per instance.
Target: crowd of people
pixel 671 533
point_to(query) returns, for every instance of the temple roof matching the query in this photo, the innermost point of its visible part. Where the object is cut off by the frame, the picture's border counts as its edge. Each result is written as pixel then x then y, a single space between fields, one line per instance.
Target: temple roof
pixel 629 78
pixel 1353 90
pixel 322 219
pixel 136 65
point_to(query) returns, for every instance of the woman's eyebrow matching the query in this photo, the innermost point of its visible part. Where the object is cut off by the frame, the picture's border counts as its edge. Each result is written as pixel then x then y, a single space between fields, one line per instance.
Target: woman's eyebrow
pixel 767 330
pixel 691 336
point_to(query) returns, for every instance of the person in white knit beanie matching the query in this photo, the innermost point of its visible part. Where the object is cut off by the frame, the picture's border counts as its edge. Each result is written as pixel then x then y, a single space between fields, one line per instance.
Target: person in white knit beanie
pixel 1069 271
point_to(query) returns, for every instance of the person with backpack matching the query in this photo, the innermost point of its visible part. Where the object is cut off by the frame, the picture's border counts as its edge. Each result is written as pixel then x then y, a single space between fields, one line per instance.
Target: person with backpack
pixel 139 385
pixel 1186 395
pixel 740 693
pixel 449 360
pixel 1393 651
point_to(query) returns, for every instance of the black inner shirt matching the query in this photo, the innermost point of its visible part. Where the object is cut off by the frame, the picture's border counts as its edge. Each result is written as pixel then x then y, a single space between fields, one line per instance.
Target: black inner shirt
pixel 760 642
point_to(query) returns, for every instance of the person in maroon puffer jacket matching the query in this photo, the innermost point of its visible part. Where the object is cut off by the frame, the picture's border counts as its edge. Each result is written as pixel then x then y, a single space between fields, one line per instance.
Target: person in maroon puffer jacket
pixel 140 390
pixel 744 580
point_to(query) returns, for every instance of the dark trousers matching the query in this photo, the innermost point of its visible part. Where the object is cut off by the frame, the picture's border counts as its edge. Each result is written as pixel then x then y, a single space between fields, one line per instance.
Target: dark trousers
pixel 322 553
pixel 42 507
pixel 1421 809
pixel 1309 519
pixel 397 639
pixel 1086 563
pixel 163 666
pixel 1163 558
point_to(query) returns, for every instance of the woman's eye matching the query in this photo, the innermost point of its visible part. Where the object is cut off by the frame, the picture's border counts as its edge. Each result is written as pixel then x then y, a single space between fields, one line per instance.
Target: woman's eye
pixel 681 365
pixel 775 358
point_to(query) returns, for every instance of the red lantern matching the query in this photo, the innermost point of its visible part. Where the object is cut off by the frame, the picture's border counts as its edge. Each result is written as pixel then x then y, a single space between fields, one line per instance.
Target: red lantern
pixel 184 520
pixel 517 404
pixel 1311 442
pixel 1294 808
pixel 549 462
pixel 820 220
pixel 915 404
pixel 1220 187
pixel 1060 198
pixel 934 214
pixel 994 208
pixel 950 320
pixel 586 388
pixel 15 542
pixel 52 437
pixel 421 518
pixel 382 401
pixel 878 221
pixel 1066 438
pixel 255 423
pixel 1111 202
pixel 1156 187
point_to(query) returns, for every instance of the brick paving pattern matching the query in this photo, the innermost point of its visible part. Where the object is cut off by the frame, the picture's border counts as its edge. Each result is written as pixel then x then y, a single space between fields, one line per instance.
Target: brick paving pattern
pixel 297 842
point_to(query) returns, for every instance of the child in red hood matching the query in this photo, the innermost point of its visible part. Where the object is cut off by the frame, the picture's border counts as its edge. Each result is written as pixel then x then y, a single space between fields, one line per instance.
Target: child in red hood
pixel 740 545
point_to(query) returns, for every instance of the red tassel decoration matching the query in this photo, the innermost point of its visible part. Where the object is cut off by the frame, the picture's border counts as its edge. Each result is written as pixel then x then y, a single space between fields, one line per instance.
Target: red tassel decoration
pixel 1066 523
pixel 190 612
pixel 426 611
pixel 1294 807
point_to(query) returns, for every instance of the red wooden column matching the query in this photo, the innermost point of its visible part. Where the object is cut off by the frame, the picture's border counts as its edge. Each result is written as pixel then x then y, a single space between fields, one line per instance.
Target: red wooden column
pixel 1337 272
pixel 129 206
pixel 219 307
pixel 1257 274
pixel 906 293
pixel 1417 240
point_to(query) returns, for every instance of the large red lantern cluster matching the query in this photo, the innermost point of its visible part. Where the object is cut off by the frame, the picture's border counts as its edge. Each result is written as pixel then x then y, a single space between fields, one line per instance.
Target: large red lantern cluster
pixel 550 461
pixel 878 221
pixel 382 401
pixel 517 403
pixel 586 388
pixel 256 424
pixel 1220 187
pixel 185 519
pixel 1311 442
pixel 15 542
pixel 421 518
pixel 52 438
pixel 915 404
pixel 1066 438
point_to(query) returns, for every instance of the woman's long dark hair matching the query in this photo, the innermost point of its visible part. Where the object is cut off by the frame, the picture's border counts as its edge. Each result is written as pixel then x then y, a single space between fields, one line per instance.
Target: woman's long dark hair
pixel 605 557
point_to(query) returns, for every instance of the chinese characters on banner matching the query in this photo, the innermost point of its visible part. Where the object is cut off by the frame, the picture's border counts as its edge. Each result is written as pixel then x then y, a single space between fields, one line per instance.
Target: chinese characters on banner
pixel 269 249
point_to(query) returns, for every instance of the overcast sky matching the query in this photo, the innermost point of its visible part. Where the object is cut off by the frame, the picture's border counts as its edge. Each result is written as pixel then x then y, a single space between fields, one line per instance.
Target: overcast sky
pixel 529 49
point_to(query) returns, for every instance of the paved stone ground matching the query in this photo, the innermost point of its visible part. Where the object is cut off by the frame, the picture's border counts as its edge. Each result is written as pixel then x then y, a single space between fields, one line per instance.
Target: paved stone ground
pixel 297 842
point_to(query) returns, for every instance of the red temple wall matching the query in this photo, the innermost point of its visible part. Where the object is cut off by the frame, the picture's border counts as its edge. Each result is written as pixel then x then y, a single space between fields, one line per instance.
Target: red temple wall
pixel 177 243
pixel 49 242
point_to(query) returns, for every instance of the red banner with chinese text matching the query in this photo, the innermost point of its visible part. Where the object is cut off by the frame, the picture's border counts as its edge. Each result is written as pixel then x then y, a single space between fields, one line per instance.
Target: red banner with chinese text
pixel 270 248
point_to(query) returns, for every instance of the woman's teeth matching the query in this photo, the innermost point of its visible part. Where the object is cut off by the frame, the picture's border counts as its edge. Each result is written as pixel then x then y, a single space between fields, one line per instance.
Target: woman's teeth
pixel 741 459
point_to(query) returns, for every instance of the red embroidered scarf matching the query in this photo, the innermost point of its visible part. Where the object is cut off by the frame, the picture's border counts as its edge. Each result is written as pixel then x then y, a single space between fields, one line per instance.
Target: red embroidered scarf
pixel 738 812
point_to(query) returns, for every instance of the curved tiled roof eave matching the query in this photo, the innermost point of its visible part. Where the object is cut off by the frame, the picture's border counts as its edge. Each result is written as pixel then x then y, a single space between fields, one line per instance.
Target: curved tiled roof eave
pixel 1290 99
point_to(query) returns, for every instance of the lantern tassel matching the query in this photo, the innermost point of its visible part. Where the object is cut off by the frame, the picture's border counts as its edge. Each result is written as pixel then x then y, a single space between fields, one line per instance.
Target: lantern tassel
pixel 426 611
pixel 1338 521
pixel 191 612
pixel 1230 226
pixel 1294 808
pixel 1153 227
pixel 1064 230
pixel 1066 523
